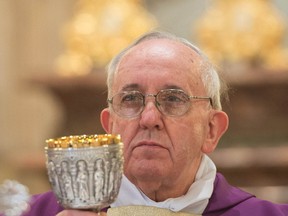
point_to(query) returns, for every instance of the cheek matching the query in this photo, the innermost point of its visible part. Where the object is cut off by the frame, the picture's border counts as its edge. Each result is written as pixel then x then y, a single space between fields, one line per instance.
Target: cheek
pixel 187 136
pixel 127 130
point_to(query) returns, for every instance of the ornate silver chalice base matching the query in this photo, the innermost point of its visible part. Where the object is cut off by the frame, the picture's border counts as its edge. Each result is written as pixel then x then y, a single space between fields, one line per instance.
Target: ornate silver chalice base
pixel 85 171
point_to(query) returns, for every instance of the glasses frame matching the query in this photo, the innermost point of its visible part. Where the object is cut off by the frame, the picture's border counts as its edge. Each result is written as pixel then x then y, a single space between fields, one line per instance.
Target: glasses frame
pixel 157 104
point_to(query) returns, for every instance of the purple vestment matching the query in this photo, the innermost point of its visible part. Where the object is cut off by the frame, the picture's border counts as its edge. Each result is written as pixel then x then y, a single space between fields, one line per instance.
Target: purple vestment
pixel 226 200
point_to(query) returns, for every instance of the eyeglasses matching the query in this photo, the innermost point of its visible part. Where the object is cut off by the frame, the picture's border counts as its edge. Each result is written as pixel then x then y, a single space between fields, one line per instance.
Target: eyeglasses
pixel 171 102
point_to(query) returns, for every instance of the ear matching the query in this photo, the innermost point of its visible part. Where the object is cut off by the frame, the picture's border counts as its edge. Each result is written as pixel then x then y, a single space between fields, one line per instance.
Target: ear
pixel 105 120
pixel 218 124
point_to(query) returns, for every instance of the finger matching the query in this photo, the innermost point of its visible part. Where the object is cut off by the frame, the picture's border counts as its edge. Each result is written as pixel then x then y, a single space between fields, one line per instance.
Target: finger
pixel 79 213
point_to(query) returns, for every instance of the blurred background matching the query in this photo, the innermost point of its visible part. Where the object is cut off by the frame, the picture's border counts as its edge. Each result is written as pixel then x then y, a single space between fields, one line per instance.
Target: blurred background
pixel 52 80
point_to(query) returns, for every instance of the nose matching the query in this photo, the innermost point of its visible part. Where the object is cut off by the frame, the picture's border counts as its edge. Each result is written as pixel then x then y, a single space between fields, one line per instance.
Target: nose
pixel 151 116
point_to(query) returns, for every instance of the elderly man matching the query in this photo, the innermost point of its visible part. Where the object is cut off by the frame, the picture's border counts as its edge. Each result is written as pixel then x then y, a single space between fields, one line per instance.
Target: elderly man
pixel 164 100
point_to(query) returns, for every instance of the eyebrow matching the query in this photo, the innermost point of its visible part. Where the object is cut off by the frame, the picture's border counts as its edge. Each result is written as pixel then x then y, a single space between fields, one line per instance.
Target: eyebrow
pixel 134 86
pixel 172 87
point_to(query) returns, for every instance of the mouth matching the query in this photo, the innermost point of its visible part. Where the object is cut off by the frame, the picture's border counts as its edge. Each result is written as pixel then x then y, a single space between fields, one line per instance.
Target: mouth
pixel 148 144
pixel 149 150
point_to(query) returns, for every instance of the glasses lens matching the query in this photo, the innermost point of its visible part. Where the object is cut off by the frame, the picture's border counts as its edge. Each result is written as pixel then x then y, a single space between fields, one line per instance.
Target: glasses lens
pixel 173 102
pixel 128 104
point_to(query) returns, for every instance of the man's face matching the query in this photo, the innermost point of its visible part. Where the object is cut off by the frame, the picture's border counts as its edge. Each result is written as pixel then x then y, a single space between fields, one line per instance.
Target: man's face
pixel 159 147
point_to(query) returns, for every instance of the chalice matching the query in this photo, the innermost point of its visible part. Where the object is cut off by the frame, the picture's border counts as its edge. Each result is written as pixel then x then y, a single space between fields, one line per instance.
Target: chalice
pixel 85 171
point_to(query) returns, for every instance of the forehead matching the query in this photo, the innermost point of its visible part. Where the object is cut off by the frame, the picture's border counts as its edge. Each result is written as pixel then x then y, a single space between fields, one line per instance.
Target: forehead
pixel 160 62
pixel 161 49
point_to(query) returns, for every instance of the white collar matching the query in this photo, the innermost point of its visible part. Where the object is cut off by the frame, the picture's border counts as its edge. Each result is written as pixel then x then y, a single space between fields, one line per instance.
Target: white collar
pixel 194 201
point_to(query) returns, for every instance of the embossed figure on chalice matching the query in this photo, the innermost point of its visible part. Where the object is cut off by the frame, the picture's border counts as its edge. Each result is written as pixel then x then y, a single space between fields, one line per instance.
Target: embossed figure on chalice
pixel 117 177
pixel 67 181
pixel 53 178
pixel 99 176
pixel 82 181
pixel 107 170
pixel 113 177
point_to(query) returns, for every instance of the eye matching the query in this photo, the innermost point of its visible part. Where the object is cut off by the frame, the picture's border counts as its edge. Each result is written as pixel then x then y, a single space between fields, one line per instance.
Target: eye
pixel 131 97
pixel 173 97
pixel 128 97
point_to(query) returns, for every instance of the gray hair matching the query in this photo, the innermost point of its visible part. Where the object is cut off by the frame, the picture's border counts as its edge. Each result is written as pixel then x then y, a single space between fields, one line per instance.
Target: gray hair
pixel 213 85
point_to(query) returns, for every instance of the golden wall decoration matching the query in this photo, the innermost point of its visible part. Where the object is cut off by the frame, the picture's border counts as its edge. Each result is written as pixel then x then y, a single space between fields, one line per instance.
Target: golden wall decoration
pixel 244 32
pixel 98 30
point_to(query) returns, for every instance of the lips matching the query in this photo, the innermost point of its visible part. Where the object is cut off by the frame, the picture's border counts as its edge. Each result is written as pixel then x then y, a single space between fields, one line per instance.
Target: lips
pixel 149 144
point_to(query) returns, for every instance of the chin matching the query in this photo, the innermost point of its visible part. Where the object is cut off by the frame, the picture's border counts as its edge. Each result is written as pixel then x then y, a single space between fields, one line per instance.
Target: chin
pixel 146 172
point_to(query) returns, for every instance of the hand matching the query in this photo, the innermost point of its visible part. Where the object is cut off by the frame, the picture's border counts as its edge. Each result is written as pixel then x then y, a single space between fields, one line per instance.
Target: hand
pixel 79 213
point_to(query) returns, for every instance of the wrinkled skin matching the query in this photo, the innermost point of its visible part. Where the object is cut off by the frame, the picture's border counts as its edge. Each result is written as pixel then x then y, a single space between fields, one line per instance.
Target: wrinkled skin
pixel 162 153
